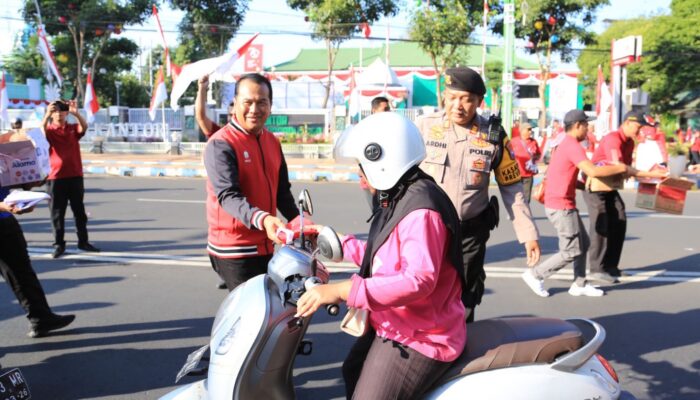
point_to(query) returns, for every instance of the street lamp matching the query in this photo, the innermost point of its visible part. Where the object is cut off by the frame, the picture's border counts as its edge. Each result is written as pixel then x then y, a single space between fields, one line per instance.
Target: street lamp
pixel 118 85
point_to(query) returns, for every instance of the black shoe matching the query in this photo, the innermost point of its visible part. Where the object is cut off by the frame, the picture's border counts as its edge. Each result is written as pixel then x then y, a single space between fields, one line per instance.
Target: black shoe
pixel 88 247
pixel 615 272
pixel 58 250
pixel 602 277
pixel 55 321
pixel 221 285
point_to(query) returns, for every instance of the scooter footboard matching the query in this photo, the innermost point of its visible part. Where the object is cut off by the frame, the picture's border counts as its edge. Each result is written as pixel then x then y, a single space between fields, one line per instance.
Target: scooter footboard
pixel 193 391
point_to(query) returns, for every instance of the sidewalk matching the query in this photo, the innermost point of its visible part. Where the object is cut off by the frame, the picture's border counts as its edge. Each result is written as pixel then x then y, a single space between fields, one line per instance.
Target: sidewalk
pixel 141 165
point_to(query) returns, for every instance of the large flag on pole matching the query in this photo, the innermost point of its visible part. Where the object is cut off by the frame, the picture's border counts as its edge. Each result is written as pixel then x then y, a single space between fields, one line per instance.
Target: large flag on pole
pixel 603 97
pixel 4 101
pixel 216 68
pixel 90 105
pixel 162 38
pixel 353 98
pixel 160 94
pixel 45 51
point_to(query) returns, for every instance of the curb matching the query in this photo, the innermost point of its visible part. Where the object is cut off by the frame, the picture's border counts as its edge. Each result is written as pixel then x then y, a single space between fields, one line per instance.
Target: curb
pixel 316 173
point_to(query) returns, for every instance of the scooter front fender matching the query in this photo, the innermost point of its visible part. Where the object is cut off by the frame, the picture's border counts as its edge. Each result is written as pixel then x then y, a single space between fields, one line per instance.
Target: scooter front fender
pixel 193 391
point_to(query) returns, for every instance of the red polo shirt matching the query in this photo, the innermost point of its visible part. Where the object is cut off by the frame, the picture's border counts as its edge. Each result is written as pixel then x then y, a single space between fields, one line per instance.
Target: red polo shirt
pixel 525 150
pixel 614 146
pixel 560 190
pixel 64 153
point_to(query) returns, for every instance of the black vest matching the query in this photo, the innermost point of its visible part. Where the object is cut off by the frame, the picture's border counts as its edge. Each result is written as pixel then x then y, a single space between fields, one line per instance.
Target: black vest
pixel 416 190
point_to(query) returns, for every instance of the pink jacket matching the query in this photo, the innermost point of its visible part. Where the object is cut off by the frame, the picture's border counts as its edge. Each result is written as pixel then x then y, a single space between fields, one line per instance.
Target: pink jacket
pixel 414 293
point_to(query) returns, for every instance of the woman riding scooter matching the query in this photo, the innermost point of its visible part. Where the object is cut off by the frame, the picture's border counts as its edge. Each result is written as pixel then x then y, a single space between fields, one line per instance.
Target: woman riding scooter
pixel 410 268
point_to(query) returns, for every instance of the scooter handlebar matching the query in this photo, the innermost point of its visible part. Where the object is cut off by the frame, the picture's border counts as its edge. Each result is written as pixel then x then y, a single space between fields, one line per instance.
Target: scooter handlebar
pixel 331 309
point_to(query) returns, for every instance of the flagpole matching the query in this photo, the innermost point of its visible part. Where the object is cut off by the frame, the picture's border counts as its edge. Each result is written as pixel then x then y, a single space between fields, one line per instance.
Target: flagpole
pixel 483 50
pixel 386 57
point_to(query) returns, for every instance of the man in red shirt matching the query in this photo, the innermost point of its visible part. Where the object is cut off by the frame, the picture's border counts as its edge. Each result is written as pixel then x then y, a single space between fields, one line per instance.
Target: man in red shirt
pixel 65 181
pixel 560 206
pixel 606 210
pixel 527 154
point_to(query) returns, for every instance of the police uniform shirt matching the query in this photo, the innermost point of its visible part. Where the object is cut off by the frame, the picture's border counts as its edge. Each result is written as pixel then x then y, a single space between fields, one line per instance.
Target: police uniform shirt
pixel 461 159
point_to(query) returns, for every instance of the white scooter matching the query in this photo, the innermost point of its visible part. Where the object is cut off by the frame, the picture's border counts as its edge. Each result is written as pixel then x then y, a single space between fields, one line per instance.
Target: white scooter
pixel 255 340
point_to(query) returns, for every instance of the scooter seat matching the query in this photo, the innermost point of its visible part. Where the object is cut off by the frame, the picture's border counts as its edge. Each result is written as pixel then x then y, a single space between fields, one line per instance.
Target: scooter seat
pixel 506 342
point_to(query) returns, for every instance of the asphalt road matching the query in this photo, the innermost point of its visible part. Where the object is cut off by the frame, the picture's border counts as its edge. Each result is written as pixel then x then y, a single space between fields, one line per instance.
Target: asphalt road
pixel 149 298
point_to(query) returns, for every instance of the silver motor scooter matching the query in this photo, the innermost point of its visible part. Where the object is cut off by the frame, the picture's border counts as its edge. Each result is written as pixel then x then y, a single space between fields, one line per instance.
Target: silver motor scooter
pixel 255 340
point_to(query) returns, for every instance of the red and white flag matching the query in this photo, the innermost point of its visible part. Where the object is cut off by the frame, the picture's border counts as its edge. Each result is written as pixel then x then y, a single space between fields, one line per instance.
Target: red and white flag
pixel 216 68
pixel 162 38
pixel 90 105
pixel 46 52
pixel 603 97
pixel 4 101
pixel 160 94
pixel 366 30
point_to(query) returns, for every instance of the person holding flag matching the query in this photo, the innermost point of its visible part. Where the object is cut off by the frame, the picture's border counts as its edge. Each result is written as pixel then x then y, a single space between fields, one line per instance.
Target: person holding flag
pixel 65 181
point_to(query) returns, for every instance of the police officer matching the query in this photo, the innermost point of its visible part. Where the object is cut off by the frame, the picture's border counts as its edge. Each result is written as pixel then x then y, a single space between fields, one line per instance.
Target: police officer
pixel 463 148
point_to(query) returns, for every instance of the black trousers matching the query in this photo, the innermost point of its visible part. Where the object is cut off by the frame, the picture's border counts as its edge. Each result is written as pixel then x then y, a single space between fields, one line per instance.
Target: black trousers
pixel 63 191
pixel 235 271
pixel 382 369
pixel 17 271
pixel 475 233
pixel 608 226
pixel 527 187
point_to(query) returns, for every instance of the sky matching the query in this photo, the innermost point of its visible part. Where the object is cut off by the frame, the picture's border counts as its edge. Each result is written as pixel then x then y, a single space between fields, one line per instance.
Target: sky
pixel 276 21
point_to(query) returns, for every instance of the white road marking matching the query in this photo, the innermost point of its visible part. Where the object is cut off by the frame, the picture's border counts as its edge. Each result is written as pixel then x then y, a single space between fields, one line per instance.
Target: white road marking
pixel 172 201
pixel 660 275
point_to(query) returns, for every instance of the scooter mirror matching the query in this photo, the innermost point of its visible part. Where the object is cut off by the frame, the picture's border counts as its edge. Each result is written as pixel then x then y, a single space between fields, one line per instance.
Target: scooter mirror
pixel 329 244
pixel 305 202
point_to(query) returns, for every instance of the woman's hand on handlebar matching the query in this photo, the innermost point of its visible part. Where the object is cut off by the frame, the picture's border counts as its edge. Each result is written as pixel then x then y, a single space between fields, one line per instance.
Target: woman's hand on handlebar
pixel 318 228
pixel 322 294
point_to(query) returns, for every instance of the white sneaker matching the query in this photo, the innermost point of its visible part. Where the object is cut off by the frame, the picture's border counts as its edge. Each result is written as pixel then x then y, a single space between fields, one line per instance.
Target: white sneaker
pixel 537 285
pixel 588 290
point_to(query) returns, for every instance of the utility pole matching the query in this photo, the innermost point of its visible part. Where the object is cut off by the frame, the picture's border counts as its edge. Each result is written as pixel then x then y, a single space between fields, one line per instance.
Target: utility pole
pixel 509 49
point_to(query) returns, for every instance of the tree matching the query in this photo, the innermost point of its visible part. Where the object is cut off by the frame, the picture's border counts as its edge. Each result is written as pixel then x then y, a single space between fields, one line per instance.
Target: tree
pixel 552 26
pixel 335 21
pixel 670 46
pixel 598 53
pixel 494 78
pixel 208 25
pixel 24 61
pixel 441 27
pixel 87 26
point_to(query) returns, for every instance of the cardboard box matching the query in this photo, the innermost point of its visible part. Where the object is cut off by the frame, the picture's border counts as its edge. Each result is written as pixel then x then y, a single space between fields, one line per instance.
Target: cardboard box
pixel 19 164
pixel 606 184
pixel 664 195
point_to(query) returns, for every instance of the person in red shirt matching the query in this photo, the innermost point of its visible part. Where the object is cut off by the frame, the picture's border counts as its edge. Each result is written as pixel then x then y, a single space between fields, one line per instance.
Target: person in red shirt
pixel 606 210
pixel 65 181
pixel 560 206
pixel 695 149
pixel 527 154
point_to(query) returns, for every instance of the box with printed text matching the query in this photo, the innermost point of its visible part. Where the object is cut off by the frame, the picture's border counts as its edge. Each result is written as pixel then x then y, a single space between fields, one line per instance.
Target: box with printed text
pixel 664 195
pixel 19 164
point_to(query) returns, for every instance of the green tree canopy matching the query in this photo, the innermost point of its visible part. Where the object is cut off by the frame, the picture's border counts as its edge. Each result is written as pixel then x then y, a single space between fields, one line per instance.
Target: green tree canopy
pixel 441 28
pixel 87 28
pixel 552 26
pixel 670 54
pixel 336 21
pixel 208 26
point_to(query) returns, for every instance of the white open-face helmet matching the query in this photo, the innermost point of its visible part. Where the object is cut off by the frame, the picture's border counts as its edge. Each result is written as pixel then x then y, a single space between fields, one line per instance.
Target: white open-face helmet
pixel 385 144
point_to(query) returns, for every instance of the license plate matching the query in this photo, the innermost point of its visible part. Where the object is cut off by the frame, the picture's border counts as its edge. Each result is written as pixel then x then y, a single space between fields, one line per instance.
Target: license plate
pixel 192 362
pixel 13 386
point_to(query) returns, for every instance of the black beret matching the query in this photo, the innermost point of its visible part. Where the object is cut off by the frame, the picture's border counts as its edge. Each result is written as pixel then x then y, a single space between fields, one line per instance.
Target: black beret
pixel 465 79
